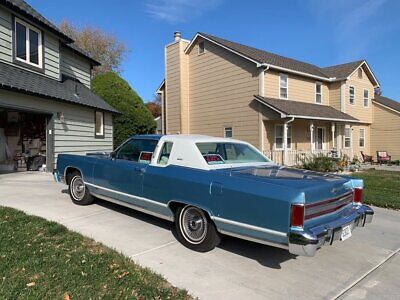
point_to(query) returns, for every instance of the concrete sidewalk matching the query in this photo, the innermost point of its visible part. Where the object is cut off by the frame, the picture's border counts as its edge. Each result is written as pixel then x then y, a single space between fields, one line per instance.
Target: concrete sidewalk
pixel 235 270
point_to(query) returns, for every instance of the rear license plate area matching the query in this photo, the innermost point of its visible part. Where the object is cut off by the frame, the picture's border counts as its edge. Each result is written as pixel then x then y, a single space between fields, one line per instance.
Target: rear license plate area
pixel 346 233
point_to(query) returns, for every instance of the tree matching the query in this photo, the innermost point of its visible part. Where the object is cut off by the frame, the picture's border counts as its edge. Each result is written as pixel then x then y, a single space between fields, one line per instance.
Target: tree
pixel 101 46
pixel 135 118
pixel 155 106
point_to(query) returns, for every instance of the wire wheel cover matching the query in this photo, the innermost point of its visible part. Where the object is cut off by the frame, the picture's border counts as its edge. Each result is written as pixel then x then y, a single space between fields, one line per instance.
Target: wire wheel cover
pixel 193 224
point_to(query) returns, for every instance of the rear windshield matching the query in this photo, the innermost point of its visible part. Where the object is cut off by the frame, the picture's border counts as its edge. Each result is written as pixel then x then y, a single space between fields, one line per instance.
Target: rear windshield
pixel 229 153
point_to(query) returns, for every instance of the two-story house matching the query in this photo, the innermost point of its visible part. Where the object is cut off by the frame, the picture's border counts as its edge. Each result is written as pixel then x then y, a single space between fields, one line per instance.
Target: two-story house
pixel 46 105
pixel 285 107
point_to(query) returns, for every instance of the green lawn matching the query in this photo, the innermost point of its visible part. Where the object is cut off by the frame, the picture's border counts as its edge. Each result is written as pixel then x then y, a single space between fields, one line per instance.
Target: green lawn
pixel 382 188
pixel 44 260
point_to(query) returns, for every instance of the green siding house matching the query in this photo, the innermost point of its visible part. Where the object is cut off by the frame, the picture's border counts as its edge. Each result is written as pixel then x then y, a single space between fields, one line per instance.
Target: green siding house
pixel 46 105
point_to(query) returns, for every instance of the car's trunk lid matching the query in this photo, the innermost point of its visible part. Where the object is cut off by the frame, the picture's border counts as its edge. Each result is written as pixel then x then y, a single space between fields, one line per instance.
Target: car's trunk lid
pixel 316 186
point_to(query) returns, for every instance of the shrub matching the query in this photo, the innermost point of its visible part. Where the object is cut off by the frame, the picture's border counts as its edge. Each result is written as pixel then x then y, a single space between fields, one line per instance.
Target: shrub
pixel 135 117
pixel 320 164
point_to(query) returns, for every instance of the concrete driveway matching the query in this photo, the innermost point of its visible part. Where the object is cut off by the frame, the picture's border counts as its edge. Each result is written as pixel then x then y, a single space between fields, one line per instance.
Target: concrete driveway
pixel 365 266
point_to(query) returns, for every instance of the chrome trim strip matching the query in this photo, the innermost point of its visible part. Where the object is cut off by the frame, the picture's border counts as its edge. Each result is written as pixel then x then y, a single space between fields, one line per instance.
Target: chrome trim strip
pixel 251 227
pixel 127 195
pixel 129 205
pixel 243 237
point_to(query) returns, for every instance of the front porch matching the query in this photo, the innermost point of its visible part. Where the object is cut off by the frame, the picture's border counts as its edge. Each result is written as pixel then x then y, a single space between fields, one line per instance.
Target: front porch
pixel 290 142
pixel 291 131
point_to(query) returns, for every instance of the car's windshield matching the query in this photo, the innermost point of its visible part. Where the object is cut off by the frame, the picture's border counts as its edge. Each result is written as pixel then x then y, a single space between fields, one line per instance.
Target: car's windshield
pixel 229 153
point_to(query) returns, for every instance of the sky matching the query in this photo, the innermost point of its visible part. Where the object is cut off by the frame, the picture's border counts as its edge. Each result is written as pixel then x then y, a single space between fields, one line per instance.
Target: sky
pixel 320 32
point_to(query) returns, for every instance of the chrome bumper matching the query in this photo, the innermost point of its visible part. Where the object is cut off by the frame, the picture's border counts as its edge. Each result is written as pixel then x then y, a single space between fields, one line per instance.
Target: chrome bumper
pixel 58 178
pixel 307 242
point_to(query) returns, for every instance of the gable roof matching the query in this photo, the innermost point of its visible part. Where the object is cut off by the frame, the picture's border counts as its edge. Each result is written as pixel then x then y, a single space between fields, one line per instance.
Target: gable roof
pixel 342 70
pixel 303 110
pixel 69 90
pixel 387 102
pixel 29 12
pixel 265 57
pixel 279 62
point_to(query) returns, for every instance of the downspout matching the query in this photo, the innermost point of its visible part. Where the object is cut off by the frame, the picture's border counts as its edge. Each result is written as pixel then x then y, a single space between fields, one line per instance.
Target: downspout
pixel 285 129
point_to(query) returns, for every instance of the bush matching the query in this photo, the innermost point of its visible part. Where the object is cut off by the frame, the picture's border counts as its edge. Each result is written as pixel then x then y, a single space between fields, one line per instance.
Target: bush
pixel 321 164
pixel 135 117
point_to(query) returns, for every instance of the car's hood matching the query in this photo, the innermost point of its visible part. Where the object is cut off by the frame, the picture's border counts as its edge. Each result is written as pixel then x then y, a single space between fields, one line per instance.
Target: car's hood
pixel 316 186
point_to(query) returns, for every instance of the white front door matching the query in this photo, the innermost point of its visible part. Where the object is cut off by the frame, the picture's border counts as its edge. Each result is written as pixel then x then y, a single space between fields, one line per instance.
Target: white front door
pixel 320 138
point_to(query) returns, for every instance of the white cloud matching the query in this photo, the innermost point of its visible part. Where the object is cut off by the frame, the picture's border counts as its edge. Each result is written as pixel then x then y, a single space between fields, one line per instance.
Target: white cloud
pixel 354 25
pixel 178 11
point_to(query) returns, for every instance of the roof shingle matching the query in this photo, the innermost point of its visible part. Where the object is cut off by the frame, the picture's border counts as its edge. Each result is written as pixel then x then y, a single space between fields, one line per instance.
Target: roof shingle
pixel 261 56
pixel 342 70
pixel 387 102
pixel 17 79
pixel 303 109
pixel 266 57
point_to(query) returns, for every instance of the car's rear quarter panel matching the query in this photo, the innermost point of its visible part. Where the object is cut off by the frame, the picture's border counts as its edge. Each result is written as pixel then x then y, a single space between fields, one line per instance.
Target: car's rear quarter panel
pixel 226 198
pixel 84 164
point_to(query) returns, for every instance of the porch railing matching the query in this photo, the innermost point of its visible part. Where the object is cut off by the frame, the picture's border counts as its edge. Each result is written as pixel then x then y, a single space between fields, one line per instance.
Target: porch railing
pixel 298 157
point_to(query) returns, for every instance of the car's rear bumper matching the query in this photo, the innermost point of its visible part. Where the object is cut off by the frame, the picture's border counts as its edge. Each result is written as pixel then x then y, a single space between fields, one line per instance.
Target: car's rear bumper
pixel 307 242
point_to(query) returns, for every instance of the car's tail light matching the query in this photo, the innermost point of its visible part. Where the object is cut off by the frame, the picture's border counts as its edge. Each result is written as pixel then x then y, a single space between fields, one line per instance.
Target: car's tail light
pixel 297 215
pixel 358 195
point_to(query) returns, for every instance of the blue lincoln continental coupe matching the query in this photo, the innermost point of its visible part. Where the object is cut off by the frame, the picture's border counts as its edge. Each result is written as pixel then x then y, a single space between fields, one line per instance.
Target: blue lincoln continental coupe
pixel 212 186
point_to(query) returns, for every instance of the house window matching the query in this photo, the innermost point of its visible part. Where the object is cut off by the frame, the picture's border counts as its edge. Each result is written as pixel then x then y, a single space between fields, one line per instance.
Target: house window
pixel 351 95
pixel 283 86
pixel 99 126
pixel 362 137
pixel 228 132
pixel 366 98
pixel 201 47
pixel 347 137
pixel 279 137
pixel 360 73
pixel 318 93
pixel 28 44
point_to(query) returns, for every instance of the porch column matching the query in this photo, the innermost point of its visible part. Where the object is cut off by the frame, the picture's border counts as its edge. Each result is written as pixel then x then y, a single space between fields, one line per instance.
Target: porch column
pixel 285 127
pixel 339 140
pixel 333 127
pixel 312 145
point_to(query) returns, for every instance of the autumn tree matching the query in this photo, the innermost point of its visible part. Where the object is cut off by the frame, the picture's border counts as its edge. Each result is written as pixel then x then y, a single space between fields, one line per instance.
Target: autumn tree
pixel 103 47
pixel 155 106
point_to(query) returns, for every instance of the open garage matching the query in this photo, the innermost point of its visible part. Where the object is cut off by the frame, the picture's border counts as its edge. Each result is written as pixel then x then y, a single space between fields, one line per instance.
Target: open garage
pixel 24 142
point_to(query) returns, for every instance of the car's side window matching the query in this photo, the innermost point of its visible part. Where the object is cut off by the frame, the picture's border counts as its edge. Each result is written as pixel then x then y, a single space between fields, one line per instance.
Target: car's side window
pixel 165 152
pixel 131 150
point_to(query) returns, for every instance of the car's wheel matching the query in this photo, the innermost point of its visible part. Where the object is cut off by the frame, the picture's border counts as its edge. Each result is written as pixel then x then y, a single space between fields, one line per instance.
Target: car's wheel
pixel 78 191
pixel 195 230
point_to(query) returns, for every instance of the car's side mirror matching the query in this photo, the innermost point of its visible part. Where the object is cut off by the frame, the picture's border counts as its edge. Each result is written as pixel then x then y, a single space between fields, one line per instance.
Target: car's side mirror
pixel 145 157
pixel 113 155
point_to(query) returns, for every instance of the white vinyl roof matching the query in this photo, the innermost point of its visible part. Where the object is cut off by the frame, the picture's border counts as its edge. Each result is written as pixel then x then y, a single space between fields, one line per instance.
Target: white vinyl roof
pixel 186 154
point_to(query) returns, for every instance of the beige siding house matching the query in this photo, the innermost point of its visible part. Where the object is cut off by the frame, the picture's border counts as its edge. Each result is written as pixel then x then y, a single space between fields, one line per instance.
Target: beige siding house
pixel 385 129
pixel 287 108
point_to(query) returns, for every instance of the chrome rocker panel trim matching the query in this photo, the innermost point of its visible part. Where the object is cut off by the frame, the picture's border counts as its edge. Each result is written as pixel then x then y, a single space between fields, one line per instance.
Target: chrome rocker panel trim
pixel 307 242
pixel 129 205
